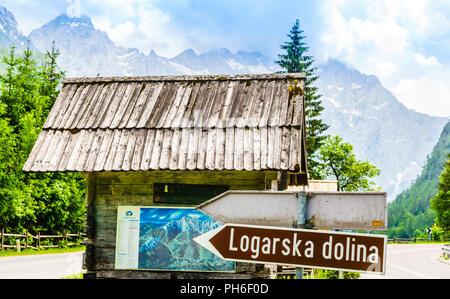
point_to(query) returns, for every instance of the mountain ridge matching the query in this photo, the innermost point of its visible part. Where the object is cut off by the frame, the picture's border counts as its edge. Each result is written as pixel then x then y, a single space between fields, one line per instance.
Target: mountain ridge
pixel 410 213
pixel 381 129
pixel 10 33
pixel 357 106
pixel 78 41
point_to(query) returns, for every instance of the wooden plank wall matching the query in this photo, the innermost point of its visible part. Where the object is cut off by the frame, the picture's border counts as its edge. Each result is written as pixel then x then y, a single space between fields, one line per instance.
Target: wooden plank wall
pixel 108 190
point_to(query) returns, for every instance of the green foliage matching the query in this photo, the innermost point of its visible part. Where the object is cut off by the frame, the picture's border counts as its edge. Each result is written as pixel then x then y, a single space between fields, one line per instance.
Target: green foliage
pixel 295 60
pixel 411 210
pixel 338 161
pixel 439 234
pixel 441 202
pixel 49 202
pixel 334 274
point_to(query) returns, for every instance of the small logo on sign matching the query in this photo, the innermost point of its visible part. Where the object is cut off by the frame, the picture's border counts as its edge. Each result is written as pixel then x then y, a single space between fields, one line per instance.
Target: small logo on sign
pixel 377 223
pixel 129 213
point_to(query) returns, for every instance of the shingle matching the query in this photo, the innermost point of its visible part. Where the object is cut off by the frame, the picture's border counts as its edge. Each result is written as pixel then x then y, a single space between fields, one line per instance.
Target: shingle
pixel 250 122
pixel 175 149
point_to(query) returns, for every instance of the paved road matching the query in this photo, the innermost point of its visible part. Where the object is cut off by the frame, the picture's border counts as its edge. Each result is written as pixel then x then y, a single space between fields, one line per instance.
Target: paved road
pixel 413 261
pixel 45 266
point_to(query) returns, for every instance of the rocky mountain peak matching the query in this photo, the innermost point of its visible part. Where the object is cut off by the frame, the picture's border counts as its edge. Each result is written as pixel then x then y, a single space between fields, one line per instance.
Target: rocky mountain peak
pixel 9 31
pixel 381 129
pixel 65 20
pixel 65 31
pixel 188 53
pixel 7 20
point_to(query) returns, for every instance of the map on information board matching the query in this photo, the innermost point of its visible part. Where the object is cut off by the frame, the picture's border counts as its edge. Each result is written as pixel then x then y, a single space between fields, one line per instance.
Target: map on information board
pixel 161 238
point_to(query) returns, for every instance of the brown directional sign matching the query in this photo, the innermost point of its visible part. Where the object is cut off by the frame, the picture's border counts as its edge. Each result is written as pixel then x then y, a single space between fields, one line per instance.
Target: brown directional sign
pixel 297 247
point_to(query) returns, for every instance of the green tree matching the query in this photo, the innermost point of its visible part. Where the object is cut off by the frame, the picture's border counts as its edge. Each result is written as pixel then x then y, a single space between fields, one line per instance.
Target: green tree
pixel 51 202
pixel 51 76
pixel 338 161
pixel 295 60
pixel 441 202
pixel 16 96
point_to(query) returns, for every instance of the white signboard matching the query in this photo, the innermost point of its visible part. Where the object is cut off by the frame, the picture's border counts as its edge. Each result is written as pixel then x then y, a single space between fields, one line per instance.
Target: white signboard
pixel 324 210
pixel 127 238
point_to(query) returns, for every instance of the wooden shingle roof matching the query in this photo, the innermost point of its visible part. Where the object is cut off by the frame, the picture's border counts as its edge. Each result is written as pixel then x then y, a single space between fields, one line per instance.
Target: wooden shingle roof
pixel 246 122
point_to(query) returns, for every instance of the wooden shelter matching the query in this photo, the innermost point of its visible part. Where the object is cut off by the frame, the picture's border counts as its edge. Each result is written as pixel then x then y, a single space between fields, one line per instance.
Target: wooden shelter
pixel 171 141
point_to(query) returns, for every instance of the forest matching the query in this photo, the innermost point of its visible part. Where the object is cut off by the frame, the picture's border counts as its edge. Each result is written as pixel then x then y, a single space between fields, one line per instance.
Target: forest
pixel 413 210
pixel 33 202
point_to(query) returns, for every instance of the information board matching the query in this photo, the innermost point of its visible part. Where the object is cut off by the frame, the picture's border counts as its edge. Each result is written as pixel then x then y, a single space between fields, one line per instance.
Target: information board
pixel 161 238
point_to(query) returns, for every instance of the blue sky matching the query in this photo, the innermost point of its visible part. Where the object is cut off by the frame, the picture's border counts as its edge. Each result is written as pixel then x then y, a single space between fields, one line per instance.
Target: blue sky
pixel 405 43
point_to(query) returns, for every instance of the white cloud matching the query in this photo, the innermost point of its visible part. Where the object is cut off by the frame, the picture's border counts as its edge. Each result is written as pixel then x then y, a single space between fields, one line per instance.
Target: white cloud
pixel 426 61
pixel 138 24
pixel 396 41
pixel 368 43
pixel 74 9
pixel 121 34
pixel 385 68
pixel 427 94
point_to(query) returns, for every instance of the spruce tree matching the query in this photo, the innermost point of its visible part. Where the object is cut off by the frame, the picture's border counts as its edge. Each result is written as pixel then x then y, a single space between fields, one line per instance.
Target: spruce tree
pixel 295 60
pixel 51 75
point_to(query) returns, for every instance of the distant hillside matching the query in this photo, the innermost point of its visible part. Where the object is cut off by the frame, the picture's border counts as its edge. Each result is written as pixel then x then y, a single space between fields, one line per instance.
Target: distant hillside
pixel 381 129
pixel 411 211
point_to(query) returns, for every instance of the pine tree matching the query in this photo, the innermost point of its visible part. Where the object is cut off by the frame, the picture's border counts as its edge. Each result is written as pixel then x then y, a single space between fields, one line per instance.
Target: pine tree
pixel 295 60
pixel 51 75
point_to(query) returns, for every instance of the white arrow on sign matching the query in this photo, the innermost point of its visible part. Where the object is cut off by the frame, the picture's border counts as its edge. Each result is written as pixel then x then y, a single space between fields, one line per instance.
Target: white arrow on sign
pixel 324 210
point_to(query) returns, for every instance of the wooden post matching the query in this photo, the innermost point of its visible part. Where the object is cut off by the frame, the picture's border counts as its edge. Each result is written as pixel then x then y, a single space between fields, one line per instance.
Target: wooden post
pixel 2 238
pixel 39 240
pixel 90 223
pixel 18 245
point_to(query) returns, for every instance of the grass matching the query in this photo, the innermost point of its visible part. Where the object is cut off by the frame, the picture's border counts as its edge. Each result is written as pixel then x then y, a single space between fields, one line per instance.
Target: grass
pixel 41 251
pixel 74 276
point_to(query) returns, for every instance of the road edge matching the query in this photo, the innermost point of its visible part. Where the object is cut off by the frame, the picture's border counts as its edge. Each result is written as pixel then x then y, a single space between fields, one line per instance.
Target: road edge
pixel 444 261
